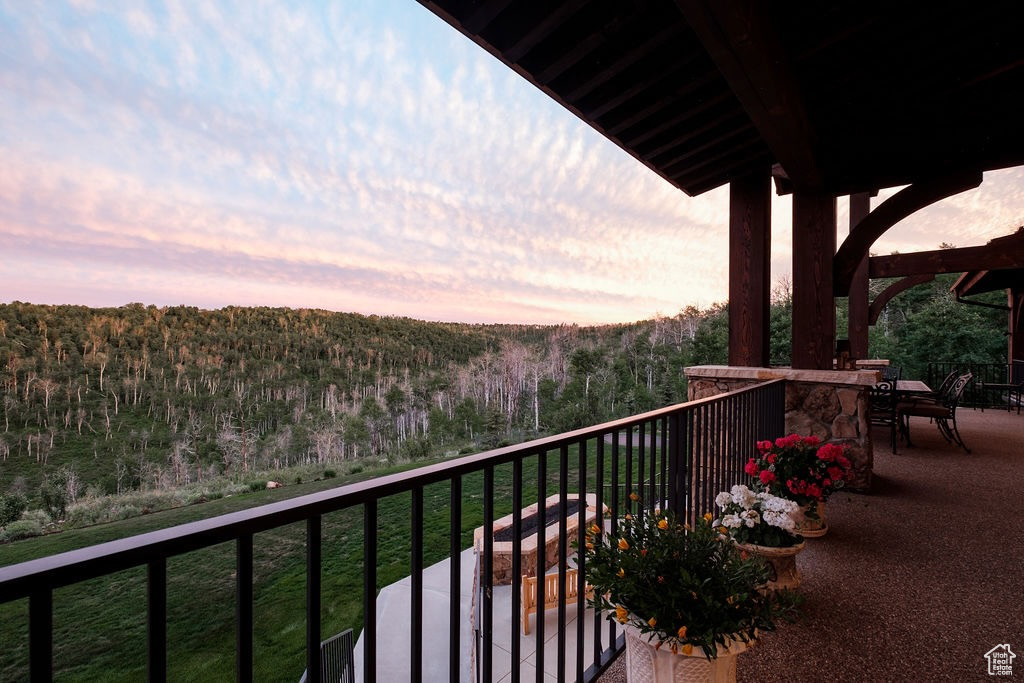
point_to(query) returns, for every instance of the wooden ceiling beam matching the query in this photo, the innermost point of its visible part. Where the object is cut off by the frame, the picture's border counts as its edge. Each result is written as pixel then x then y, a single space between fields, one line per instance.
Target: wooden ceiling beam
pixel 676 121
pixel 741 40
pixel 485 14
pixel 894 209
pixel 530 36
pixel 730 163
pixel 607 104
pixel 734 139
pixel 669 101
pixel 622 63
pixel 999 256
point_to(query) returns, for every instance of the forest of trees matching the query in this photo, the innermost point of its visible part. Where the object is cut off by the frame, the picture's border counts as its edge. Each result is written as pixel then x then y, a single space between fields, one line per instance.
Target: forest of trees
pixel 100 401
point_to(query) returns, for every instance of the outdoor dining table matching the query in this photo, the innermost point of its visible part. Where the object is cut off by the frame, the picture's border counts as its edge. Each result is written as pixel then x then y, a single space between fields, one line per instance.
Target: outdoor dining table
pixel 912 386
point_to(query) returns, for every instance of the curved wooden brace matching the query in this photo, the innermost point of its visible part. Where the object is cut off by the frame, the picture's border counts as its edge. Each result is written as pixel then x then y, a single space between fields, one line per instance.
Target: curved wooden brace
pixel 892 290
pixel 894 209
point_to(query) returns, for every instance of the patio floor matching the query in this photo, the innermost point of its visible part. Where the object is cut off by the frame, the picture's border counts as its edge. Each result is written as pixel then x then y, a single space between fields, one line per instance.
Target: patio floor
pixel 918 579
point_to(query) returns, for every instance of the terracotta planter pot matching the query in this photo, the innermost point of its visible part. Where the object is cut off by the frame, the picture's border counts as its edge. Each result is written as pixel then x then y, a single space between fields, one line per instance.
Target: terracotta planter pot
pixel 645 664
pixel 813 528
pixel 782 562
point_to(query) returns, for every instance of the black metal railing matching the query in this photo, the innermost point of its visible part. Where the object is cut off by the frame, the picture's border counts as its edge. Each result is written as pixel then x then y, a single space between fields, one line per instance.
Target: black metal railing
pixel 678 457
pixel 987 386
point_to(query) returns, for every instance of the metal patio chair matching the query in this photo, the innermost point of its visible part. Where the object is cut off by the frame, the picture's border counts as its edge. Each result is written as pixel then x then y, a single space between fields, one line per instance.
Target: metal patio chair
pixel 942 410
pixel 882 408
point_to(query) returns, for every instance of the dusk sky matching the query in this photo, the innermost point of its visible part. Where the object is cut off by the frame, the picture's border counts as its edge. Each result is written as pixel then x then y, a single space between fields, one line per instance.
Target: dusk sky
pixel 352 156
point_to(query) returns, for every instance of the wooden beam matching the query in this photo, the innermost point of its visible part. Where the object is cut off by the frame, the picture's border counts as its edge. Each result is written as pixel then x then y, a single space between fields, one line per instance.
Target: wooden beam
pixel 740 40
pixel 1015 344
pixel 485 14
pixel 750 241
pixel 530 34
pixel 894 209
pixel 814 311
pixel 623 62
pixel 857 322
pixel 892 290
pixel 1000 256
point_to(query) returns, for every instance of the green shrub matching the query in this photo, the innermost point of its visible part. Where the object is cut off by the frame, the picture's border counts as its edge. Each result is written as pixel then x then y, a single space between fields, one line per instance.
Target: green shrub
pixel 330 474
pixel 39 516
pixel 355 469
pixel 11 507
pixel 257 486
pixel 23 528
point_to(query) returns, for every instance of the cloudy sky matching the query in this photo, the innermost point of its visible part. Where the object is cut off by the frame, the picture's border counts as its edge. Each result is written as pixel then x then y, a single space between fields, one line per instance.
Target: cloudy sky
pixel 353 156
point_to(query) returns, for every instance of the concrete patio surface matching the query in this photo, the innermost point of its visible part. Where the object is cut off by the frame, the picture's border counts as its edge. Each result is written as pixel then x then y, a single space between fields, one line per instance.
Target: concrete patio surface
pixel 918 579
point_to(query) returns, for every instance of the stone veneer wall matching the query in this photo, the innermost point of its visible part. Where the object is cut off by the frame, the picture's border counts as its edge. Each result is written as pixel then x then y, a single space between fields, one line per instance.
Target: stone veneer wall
pixel 832 405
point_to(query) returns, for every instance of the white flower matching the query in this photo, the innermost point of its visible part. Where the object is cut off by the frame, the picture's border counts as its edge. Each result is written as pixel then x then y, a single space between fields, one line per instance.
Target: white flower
pixel 723 499
pixel 781 520
pixel 743 496
pixel 731 521
pixel 751 518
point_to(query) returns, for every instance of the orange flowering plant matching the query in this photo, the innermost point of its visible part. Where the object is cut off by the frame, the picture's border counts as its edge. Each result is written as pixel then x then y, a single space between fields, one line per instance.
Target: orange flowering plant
pixel 683 587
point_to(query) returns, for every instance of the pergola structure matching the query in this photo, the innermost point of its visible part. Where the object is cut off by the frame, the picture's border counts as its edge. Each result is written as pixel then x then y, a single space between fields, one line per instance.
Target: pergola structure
pixel 826 98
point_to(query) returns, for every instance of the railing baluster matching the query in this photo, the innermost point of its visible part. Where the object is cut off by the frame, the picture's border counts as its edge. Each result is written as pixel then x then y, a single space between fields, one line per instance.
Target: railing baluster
pixel 542 493
pixel 156 593
pixel 455 580
pixel 416 580
pixel 370 590
pixel 244 615
pixel 628 490
pixel 313 563
pixel 517 564
pixel 581 538
pixel 563 553
pixel 40 635
pixel 487 578
pixel 599 496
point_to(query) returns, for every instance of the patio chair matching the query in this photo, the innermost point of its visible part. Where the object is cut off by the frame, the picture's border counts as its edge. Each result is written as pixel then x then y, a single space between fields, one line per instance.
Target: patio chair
pixel 941 410
pixel 882 408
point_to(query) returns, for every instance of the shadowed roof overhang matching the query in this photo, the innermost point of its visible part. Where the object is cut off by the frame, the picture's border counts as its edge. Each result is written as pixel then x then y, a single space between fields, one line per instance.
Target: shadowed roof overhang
pixel 839 97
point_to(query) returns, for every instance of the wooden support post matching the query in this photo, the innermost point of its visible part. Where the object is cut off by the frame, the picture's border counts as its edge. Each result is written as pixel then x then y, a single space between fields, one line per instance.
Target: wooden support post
pixel 814 311
pixel 1015 345
pixel 750 243
pixel 857 325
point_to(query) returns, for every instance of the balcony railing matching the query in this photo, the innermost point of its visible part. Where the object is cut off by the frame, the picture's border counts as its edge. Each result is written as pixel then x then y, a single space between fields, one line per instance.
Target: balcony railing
pixel 979 393
pixel 678 457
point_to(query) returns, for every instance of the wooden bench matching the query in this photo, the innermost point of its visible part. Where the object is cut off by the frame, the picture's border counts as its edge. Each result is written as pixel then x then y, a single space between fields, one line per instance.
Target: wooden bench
pixel 551 593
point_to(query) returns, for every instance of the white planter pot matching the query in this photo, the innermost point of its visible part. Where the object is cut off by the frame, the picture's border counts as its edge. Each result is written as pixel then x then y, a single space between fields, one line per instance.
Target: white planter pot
pixel 782 562
pixel 645 664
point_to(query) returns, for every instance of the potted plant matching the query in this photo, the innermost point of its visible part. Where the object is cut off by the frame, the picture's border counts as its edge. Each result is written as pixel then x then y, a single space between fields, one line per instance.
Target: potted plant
pixel 802 469
pixel 685 596
pixel 763 524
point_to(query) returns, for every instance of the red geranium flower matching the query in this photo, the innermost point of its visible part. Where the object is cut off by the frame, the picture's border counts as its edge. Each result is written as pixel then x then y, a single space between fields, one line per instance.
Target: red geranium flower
pixel 800 468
